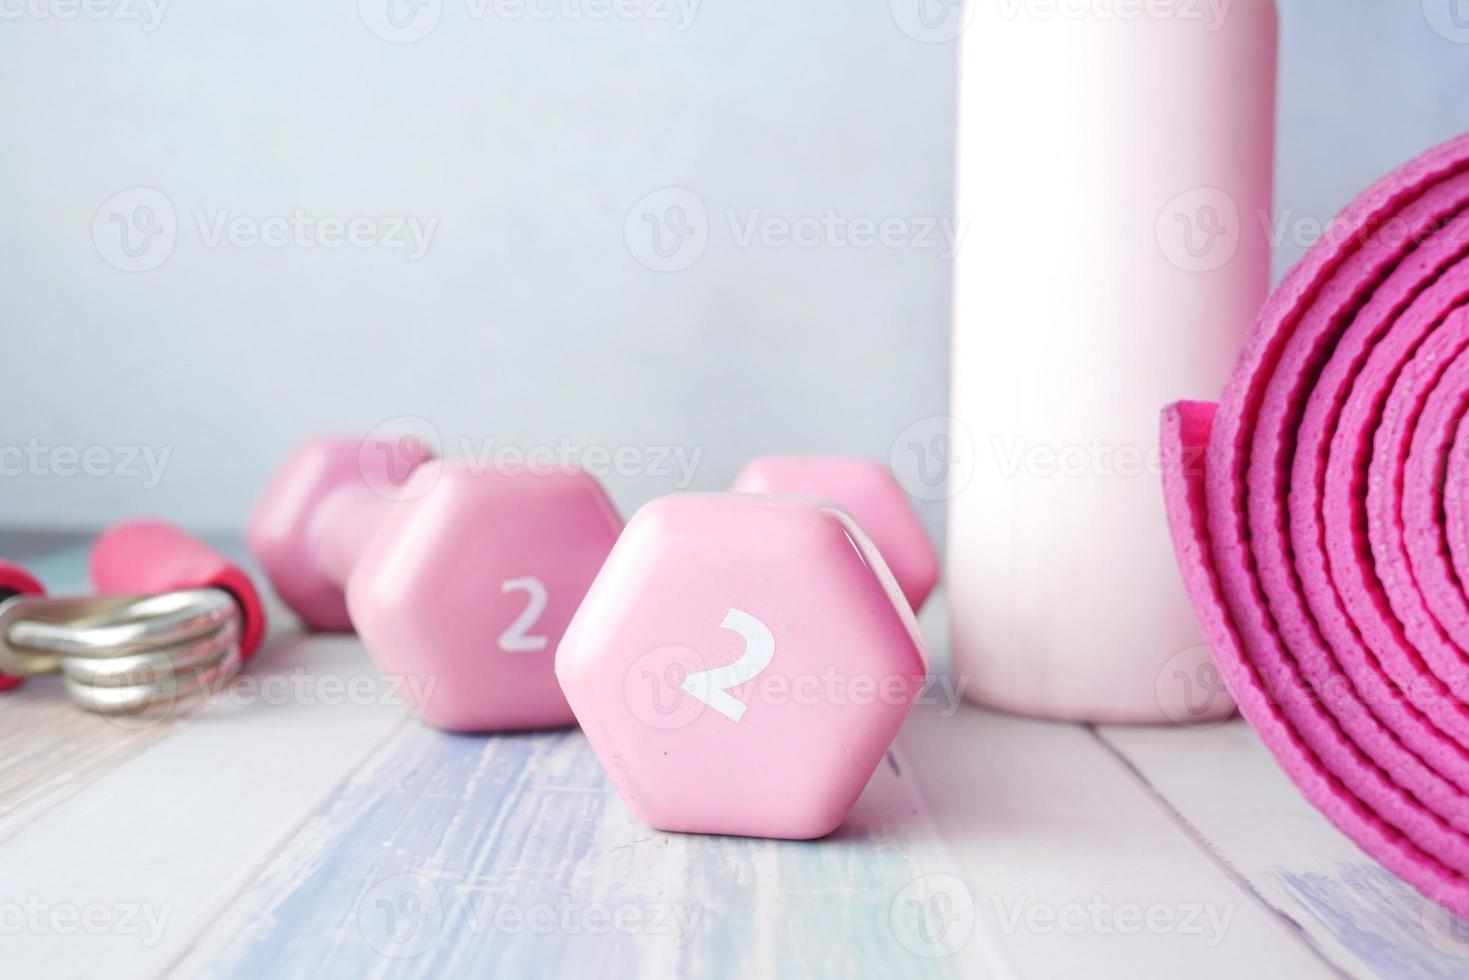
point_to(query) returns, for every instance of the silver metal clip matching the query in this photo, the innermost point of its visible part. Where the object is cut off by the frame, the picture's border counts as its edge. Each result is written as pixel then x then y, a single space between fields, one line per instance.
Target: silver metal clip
pixel 123 653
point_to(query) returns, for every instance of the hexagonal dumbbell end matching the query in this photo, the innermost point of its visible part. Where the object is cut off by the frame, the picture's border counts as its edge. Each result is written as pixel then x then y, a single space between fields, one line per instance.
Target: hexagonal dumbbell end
pixel 147 556
pixel 15 581
pixel 459 582
pixel 869 492
pixel 742 663
pixel 467 593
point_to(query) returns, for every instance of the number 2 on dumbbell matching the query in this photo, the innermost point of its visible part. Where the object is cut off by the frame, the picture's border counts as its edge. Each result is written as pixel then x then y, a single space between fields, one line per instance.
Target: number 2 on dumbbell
pixel 517 638
pixel 336 534
pixel 712 686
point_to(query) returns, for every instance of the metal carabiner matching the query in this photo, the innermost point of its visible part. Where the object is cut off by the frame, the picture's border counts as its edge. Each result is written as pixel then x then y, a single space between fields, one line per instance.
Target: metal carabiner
pixel 124 653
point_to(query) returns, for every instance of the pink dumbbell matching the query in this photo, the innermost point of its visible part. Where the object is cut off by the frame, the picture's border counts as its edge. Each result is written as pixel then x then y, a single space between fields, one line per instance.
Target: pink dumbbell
pixel 869 492
pixel 742 663
pixel 171 617
pixel 459 581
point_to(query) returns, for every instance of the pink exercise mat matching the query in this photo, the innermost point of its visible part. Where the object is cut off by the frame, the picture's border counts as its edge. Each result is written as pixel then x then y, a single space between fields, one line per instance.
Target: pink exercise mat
pixel 1319 516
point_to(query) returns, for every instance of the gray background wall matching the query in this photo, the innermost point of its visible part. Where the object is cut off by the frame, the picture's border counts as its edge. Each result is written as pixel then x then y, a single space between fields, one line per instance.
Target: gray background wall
pixel 540 313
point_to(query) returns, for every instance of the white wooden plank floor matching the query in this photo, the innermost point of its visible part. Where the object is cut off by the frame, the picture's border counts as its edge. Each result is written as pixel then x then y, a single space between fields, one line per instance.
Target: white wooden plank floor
pixel 304 825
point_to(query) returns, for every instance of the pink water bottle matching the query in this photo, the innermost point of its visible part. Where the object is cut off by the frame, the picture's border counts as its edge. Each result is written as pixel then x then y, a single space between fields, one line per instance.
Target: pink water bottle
pixel 1115 168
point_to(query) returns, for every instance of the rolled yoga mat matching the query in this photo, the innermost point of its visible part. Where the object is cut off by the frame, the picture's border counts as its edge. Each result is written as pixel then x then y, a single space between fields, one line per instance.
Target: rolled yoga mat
pixel 1319 517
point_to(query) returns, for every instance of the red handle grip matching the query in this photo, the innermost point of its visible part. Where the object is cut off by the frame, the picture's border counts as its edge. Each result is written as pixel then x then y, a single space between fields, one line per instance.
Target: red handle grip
pixel 154 556
pixel 15 580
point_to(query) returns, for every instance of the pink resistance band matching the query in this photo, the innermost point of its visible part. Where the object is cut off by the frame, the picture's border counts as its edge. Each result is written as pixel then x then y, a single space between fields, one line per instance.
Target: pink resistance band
pixel 1319 516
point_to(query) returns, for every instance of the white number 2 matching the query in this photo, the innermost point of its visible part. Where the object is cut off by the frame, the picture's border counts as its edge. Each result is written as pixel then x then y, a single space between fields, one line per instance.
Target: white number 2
pixel 516 638
pixel 712 686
